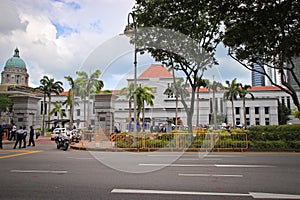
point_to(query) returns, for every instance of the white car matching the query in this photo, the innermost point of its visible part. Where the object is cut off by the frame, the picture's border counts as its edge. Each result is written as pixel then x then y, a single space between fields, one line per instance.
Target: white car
pixel 57 131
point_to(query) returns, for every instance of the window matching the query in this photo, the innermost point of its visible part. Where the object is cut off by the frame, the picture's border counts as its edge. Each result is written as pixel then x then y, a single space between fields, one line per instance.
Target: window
pixel 248 121
pixel 288 101
pixel 221 105
pixel 210 106
pixel 170 94
pixel 154 90
pixel 256 110
pixel 282 101
pixel 237 110
pixel 257 121
pixel 267 110
pixel 92 122
pixel 247 110
pixel 267 121
pixel 237 120
pixel 78 112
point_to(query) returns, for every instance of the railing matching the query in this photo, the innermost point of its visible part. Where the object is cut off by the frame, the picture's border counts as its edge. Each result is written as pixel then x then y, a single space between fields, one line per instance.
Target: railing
pixel 170 142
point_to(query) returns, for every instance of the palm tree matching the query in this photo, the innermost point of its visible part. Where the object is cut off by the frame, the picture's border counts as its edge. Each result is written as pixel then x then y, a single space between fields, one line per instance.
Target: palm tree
pixel 199 83
pixel 88 85
pixel 48 87
pixel 214 86
pixel 70 99
pixel 243 92
pixel 43 89
pixel 231 95
pixel 58 109
pixel 144 95
pixel 129 95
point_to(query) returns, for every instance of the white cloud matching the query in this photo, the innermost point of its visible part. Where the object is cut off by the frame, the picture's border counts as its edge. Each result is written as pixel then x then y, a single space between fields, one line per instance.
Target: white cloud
pixel 55 38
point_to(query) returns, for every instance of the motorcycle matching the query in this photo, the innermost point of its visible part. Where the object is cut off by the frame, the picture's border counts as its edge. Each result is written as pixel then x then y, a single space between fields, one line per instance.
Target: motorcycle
pixel 62 142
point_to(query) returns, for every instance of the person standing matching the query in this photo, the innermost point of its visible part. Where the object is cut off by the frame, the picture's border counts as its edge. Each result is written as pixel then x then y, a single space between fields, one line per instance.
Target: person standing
pixel 24 136
pixel 13 133
pixel 31 135
pixel 20 136
pixel 1 135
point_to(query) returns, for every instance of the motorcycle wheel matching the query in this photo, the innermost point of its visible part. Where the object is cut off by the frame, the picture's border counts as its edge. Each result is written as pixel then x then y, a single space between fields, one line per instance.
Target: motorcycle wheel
pixel 65 147
pixel 58 146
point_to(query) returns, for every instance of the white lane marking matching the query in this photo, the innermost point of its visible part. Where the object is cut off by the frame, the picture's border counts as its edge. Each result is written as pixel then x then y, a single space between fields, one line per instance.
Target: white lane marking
pixel 80 158
pixel 175 165
pixel 255 195
pixel 212 175
pixel 198 165
pixel 245 166
pixel 39 171
pixel 207 159
pixel 260 195
pixel 132 191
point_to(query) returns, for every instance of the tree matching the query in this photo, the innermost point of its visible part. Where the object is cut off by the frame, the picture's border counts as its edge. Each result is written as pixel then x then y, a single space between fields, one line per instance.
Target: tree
pixel 178 89
pixel 71 99
pixel 130 96
pixel 143 96
pixel 231 95
pixel 266 33
pixel 283 113
pixel 243 92
pixel 6 104
pixel 87 85
pixel 200 82
pixel 185 36
pixel 214 86
pixel 58 109
pixel 48 87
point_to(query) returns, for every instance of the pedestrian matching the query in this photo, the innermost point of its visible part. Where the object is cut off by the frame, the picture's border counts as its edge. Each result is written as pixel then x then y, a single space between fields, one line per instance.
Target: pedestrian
pixel 13 132
pixel 24 136
pixel 1 135
pixel 19 139
pixel 31 135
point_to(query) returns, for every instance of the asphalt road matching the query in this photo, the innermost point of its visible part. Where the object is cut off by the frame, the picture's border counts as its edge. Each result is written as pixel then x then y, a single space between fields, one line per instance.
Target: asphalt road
pixel 43 172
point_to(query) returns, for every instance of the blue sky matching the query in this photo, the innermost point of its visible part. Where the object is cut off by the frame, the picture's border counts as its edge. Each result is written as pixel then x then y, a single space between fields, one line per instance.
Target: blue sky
pixel 57 38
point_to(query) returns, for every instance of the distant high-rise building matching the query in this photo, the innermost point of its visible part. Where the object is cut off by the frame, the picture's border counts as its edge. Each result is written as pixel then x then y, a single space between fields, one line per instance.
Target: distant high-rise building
pixel 296 70
pixel 258 79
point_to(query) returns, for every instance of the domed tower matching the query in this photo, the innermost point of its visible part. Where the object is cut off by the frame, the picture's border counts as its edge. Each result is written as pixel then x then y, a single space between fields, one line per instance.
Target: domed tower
pixel 15 72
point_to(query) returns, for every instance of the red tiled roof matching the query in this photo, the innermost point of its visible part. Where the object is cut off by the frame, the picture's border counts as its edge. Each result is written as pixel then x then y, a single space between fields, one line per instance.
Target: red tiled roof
pixel 262 88
pixel 156 71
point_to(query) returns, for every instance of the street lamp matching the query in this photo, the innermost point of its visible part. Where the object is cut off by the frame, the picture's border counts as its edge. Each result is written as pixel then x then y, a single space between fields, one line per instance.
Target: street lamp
pixel 130 31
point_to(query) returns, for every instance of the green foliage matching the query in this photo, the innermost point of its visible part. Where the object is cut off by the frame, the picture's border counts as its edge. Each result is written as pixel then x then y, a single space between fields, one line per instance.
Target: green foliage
pixel 274 137
pixel 247 35
pixel 5 103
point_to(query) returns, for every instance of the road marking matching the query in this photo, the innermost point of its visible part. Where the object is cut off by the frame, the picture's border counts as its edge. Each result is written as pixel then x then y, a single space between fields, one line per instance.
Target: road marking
pixel 255 195
pixel 207 159
pixel 212 175
pixel 260 195
pixel 80 158
pixel 199 165
pixel 132 191
pixel 39 171
pixel 245 166
pixel 176 165
pixel 20 153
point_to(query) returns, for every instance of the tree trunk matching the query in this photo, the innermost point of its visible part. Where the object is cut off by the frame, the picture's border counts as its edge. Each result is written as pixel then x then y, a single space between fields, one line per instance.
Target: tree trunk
pixel 233 119
pixel 214 109
pixel 49 110
pixel 244 110
pixel 197 108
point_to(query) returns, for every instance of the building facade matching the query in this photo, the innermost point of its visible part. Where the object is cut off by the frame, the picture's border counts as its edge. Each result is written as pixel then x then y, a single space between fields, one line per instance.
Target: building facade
pixel 107 111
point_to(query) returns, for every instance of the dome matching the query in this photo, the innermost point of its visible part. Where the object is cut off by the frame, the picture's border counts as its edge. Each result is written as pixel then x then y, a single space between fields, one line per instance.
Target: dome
pixel 15 61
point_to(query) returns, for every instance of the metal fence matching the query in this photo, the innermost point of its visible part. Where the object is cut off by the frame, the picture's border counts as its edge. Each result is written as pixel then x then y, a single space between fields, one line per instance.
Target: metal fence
pixel 167 141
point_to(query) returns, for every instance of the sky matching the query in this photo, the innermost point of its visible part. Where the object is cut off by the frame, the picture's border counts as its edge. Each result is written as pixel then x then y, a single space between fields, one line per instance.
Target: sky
pixel 56 38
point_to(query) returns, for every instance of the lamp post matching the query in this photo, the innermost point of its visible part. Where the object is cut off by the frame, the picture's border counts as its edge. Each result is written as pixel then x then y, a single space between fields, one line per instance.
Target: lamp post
pixel 130 31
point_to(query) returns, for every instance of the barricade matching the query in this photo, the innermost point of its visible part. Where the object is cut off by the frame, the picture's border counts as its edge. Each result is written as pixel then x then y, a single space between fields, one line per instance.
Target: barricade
pixel 167 141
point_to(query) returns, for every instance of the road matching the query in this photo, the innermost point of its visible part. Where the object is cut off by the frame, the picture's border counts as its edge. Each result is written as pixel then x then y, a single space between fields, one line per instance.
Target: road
pixel 43 172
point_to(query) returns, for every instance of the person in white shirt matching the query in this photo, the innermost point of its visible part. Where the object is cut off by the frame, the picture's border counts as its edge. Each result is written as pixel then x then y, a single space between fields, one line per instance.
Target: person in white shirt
pixel 20 135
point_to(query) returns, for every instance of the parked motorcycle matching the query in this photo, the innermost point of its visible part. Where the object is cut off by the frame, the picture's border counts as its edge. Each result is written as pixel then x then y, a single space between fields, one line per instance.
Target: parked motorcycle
pixel 62 142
